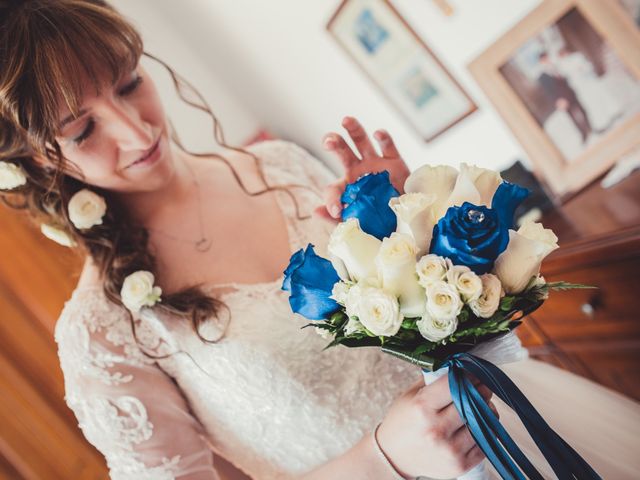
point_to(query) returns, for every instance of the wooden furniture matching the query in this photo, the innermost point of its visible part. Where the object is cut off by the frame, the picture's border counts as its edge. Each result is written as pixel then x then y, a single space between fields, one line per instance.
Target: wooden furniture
pixel 39 435
pixel 595 333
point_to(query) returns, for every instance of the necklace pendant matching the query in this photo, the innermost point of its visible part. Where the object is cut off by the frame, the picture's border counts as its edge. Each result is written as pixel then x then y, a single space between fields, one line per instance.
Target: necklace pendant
pixel 203 245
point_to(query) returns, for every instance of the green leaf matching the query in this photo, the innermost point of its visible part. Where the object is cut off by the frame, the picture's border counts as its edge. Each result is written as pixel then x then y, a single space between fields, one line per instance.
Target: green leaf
pixel 567 286
pixel 506 303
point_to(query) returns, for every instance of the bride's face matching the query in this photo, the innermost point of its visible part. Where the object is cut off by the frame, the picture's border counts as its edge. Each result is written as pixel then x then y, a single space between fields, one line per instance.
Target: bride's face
pixel 119 141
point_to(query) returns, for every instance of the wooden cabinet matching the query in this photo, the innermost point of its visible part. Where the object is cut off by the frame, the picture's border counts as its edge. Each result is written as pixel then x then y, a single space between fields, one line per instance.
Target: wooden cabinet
pixel 595 333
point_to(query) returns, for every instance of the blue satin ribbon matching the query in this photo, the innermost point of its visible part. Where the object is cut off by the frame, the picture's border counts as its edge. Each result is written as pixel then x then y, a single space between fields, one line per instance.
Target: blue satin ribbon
pixel 490 435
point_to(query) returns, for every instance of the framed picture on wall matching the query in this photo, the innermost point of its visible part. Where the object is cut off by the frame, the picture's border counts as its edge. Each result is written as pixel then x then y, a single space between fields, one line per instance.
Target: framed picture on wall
pixel 566 80
pixel 383 45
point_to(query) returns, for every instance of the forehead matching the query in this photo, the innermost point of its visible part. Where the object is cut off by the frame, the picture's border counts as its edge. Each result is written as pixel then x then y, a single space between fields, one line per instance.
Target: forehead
pixel 89 91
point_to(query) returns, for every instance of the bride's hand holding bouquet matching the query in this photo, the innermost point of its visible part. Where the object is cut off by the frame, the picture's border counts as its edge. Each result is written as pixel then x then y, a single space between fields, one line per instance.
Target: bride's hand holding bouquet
pixel 439 277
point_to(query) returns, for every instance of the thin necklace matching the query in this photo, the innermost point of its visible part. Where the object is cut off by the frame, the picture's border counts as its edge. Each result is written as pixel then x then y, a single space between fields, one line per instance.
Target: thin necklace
pixel 203 244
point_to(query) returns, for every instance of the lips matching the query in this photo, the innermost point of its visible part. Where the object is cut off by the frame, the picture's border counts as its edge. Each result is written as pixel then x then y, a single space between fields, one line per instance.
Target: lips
pixel 146 155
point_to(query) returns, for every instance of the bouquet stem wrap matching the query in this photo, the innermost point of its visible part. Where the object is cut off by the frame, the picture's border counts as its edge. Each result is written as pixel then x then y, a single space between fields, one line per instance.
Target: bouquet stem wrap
pixel 490 435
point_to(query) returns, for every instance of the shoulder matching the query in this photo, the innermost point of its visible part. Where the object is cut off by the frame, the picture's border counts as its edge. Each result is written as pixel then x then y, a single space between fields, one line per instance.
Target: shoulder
pixel 296 160
pixel 88 312
pixel 283 151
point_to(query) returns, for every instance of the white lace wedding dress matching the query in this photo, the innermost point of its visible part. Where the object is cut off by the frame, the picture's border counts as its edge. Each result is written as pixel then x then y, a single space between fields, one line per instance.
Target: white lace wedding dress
pixel 265 396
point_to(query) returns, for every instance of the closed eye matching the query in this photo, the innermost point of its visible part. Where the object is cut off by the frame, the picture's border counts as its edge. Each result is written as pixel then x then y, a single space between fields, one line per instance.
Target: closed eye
pixel 91 124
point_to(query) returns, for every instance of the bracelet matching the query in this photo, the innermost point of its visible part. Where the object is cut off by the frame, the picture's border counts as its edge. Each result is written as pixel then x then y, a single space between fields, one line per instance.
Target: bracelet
pixel 383 456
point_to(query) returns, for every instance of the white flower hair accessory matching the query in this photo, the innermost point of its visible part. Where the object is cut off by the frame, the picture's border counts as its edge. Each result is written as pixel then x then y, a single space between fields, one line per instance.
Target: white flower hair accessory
pixel 86 209
pixel 138 291
pixel 11 176
pixel 57 235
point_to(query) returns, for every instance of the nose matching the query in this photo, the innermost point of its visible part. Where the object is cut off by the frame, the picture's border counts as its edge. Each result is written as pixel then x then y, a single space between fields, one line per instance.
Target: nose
pixel 129 128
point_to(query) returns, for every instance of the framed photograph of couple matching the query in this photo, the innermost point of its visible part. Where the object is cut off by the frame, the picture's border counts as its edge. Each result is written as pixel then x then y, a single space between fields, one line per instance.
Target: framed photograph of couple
pixel 566 80
pixel 383 45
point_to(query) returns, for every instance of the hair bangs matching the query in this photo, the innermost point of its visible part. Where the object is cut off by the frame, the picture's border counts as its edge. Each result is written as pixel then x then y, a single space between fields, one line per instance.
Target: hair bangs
pixel 84 43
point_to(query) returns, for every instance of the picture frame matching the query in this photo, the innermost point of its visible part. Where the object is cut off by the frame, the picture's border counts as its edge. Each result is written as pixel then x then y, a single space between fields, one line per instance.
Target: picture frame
pixel 566 81
pixel 390 53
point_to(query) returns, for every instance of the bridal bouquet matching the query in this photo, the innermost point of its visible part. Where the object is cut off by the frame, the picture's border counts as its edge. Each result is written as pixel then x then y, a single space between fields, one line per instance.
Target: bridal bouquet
pixel 439 277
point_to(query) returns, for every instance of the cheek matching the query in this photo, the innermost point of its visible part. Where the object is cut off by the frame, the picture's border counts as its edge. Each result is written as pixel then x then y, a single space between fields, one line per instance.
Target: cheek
pixel 150 103
pixel 97 165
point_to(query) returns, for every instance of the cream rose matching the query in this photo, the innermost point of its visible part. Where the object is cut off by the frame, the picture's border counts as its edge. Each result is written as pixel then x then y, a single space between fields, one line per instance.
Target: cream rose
pixel 11 176
pixel 396 263
pixel 431 268
pixel 57 235
pixel 465 280
pixel 488 302
pixel 443 301
pixel 340 291
pixel 413 211
pixel 472 184
pixel 353 326
pixel 324 333
pixel 436 329
pixel 86 209
pixel 138 291
pixel 379 311
pixel 355 248
pixel 354 295
pixel 521 260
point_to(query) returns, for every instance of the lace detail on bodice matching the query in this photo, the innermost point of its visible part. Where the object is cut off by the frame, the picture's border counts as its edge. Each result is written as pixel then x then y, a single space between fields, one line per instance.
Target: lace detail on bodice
pixel 266 396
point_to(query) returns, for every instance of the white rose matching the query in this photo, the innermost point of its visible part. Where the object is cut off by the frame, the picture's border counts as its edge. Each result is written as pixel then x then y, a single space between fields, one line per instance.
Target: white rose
pixel 324 333
pixel 340 291
pixel 443 301
pixel 355 248
pixel 521 260
pixel 536 282
pixel 11 176
pixel 138 291
pixel 415 218
pixel 436 329
pixel 431 268
pixel 379 312
pixel 353 326
pixel 472 184
pixel 86 209
pixel 354 295
pixel 465 280
pixel 396 262
pixel 488 302
pixel 57 235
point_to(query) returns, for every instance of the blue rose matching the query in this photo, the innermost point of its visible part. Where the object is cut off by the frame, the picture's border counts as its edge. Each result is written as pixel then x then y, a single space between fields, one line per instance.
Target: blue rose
pixel 475 235
pixel 310 279
pixel 367 199
pixel 506 200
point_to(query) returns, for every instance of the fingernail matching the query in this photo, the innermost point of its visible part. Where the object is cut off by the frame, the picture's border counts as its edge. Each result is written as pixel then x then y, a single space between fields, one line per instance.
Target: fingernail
pixel 334 210
pixel 329 143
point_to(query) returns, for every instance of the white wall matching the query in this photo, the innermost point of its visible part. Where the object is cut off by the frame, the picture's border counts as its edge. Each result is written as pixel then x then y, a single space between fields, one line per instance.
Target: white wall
pixel 168 43
pixel 275 61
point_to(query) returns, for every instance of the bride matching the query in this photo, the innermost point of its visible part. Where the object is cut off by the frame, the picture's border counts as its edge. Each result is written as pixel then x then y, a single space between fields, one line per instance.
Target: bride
pixel 216 380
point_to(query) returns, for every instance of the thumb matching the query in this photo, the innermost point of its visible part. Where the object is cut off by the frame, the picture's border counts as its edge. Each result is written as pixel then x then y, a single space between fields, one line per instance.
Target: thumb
pixel 332 194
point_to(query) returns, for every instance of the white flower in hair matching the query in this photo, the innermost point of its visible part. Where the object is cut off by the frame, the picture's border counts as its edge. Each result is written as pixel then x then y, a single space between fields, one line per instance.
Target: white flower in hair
pixel 138 291
pixel 11 176
pixel 57 235
pixel 86 209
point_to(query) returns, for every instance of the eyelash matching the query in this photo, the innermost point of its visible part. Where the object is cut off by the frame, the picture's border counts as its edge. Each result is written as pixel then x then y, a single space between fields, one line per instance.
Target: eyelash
pixel 127 90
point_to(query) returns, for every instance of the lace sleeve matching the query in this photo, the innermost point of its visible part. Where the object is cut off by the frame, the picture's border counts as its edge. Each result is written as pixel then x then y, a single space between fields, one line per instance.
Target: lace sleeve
pixel 126 406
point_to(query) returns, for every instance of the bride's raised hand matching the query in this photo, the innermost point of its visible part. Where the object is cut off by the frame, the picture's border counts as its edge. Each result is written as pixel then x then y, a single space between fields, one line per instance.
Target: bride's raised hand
pixel 356 164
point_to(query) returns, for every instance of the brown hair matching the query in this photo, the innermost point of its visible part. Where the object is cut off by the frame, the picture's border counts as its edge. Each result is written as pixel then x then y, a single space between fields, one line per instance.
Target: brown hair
pixel 45 44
